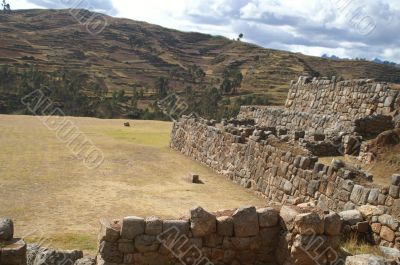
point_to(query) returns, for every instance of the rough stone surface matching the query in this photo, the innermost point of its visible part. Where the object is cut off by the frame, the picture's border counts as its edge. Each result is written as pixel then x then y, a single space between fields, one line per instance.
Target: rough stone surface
pixel 6 229
pixel 225 226
pixel 131 227
pixel 366 259
pixel 202 223
pixel 309 224
pixel 268 217
pixel 245 222
pixel 351 217
pixel 333 224
pixel 153 226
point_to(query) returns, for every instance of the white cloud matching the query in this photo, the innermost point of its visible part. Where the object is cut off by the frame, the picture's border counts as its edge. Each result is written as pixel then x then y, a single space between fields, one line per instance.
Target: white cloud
pixel 362 28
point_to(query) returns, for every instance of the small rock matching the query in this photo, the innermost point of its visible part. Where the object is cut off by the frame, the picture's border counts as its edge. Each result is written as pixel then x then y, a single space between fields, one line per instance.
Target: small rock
pixel 351 217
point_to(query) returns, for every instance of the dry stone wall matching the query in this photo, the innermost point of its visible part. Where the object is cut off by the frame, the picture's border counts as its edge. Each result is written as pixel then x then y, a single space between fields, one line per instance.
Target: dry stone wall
pixel 282 176
pixel 288 235
pixel 330 107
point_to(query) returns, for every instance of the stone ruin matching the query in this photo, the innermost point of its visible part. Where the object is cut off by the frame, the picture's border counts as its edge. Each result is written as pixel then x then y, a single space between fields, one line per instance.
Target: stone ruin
pixel 275 151
pixel 284 235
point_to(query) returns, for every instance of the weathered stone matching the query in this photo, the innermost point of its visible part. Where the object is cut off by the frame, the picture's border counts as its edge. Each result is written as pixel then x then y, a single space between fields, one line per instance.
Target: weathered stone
pixel 132 226
pixel 108 232
pixel 288 214
pixel 267 217
pixel 394 191
pixel 202 223
pixel 245 222
pixel 387 234
pixel 309 224
pixel 225 226
pixel 389 221
pixel 146 243
pixel 356 194
pixel 6 229
pixel 126 246
pixel 86 261
pixel 366 259
pixel 373 196
pixel 55 257
pixel 396 179
pixel 153 226
pixel 182 226
pixel 351 217
pixel 333 224
pixel 14 253
pixel 390 253
pixel 376 228
pixel 368 211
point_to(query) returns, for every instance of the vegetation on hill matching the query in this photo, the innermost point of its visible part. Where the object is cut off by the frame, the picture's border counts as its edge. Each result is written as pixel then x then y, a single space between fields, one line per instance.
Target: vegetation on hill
pixel 131 65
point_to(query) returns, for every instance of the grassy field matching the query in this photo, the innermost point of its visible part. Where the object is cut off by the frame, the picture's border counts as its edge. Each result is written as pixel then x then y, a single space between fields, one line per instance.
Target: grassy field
pixel 54 198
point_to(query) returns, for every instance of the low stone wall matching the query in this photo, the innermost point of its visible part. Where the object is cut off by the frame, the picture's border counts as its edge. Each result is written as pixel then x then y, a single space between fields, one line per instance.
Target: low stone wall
pixel 289 235
pixel 282 176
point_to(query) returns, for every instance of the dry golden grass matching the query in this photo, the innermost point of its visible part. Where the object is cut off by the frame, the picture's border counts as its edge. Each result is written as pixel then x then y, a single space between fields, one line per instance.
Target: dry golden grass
pixel 354 247
pixel 53 197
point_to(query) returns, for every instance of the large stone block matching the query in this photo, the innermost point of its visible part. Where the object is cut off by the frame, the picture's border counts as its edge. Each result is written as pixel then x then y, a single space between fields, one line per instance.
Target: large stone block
pixel 268 217
pixel 182 226
pixel 202 223
pixel 146 243
pixel 225 226
pixel 245 222
pixel 333 224
pixel 309 224
pixel 132 226
pixel 153 226
pixel 387 234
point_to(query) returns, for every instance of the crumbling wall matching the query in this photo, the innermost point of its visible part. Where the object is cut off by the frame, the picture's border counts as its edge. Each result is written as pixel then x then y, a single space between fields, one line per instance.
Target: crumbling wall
pixel 282 176
pixel 289 235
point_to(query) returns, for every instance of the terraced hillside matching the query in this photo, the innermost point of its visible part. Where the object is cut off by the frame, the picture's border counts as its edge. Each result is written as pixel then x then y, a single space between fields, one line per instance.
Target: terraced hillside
pixel 131 54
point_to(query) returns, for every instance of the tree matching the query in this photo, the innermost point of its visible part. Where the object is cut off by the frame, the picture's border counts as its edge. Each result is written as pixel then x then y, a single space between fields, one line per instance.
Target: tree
pixel 240 37
pixel 162 86
pixel 232 80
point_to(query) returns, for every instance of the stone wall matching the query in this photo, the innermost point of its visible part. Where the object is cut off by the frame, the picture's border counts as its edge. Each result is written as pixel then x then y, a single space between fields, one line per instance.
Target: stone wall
pixel 330 107
pixel 282 176
pixel 286 235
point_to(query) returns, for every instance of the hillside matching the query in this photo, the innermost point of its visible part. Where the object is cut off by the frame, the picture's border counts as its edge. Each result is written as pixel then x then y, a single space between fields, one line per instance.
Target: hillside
pixel 131 55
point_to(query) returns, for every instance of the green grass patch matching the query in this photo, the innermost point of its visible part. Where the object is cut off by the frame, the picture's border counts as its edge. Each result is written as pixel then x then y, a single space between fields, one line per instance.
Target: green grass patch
pixel 68 241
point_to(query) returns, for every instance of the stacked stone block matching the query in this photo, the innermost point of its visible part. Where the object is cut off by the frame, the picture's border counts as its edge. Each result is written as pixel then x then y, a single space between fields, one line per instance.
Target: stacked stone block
pixel 244 236
pixel 280 175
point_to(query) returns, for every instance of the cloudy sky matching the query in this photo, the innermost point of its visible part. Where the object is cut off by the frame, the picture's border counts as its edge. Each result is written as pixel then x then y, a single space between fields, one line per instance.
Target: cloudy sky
pixel 346 28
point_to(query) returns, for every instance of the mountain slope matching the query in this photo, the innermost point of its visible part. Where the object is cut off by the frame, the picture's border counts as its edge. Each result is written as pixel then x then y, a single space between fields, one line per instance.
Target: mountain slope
pixel 135 54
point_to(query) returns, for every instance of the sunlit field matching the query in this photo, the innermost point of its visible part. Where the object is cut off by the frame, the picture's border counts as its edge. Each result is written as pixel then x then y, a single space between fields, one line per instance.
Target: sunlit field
pixel 49 192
